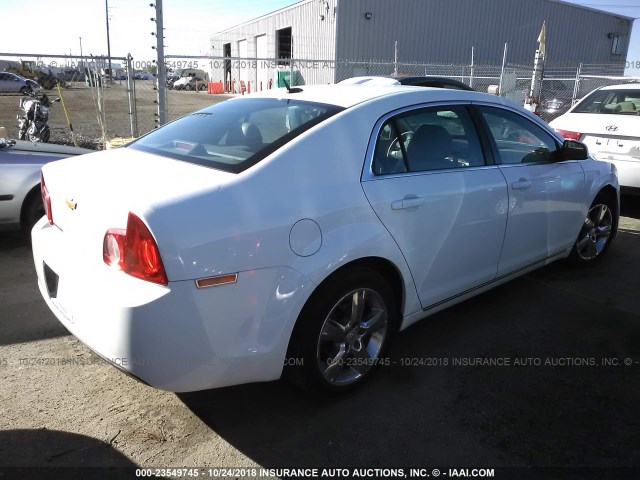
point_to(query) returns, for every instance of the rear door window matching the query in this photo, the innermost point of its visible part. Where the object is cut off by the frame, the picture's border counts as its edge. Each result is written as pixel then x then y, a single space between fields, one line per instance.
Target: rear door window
pixel 426 139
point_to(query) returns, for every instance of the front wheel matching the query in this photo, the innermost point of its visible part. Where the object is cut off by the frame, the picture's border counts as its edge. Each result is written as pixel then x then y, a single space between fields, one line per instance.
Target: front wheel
pixel 342 333
pixel 597 232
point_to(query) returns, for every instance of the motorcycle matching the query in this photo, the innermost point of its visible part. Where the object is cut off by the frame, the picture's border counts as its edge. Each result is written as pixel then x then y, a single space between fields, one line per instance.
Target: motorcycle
pixel 33 124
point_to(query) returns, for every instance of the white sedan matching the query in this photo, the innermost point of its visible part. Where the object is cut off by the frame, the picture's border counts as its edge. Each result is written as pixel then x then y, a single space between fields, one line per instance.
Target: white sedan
pixel 294 232
pixel 608 122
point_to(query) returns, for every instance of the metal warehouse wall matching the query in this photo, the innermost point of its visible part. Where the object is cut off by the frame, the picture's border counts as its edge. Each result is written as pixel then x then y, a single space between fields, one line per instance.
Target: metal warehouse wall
pixel 313 37
pixel 443 31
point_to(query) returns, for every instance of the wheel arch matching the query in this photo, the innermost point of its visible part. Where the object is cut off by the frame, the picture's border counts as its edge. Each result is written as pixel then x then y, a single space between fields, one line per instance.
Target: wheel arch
pixel 611 194
pixel 387 269
pixel 34 191
pixel 297 345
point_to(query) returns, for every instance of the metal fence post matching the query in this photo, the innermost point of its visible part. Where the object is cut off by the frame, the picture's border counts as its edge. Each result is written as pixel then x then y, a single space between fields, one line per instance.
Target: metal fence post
pixel 395 58
pixel 576 86
pixel 161 68
pixel 131 96
pixel 472 65
pixel 504 61
pixel 292 81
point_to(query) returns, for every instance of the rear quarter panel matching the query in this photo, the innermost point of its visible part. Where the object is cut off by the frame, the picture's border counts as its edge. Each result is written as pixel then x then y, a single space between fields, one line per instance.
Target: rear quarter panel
pixel 245 225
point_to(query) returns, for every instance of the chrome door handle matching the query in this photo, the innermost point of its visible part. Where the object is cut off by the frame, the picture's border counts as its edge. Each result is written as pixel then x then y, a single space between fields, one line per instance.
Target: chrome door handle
pixel 521 184
pixel 410 202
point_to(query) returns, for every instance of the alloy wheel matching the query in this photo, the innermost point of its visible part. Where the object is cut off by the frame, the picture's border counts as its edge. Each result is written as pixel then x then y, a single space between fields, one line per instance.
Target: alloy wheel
pixel 352 336
pixel 595 233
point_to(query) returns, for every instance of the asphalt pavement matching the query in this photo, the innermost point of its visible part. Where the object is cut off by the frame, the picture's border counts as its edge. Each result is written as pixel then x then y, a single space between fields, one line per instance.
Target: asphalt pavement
pixel 541 372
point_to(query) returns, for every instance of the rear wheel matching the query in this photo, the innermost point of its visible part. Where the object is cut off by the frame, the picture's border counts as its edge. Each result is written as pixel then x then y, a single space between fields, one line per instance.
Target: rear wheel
pixel 597 232
pixel 342 333
pixel 32 210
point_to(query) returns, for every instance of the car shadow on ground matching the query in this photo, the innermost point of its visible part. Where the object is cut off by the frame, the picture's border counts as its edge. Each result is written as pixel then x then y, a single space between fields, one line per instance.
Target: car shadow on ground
pixel 630 205
pixel 24 315
pixel 42 453
pixel 449 397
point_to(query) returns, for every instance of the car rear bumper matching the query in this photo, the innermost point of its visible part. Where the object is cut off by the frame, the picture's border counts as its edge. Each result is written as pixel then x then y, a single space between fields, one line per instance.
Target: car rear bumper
pixel 175 337
pixel 628 171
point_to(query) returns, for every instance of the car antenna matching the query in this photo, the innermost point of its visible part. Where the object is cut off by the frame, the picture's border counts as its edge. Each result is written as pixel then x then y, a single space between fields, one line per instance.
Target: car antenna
pixel 289 89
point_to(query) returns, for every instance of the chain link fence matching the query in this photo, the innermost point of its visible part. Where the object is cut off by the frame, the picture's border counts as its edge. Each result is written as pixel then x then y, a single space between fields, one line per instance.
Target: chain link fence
pixel 101 103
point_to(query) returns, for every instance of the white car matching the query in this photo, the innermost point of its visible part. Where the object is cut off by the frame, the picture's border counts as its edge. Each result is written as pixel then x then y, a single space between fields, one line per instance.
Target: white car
pixel 295 231
pixel 608 122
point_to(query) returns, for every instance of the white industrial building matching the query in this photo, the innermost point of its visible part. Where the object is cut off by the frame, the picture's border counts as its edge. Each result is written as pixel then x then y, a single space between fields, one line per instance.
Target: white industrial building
pixel 319 33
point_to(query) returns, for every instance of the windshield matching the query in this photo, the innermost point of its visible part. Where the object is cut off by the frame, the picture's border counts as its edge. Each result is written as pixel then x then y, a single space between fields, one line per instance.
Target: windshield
pixel 611 102
pixel 236 134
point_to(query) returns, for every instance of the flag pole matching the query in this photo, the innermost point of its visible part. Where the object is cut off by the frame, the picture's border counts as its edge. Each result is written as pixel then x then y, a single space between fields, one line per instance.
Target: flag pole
pixel 531 102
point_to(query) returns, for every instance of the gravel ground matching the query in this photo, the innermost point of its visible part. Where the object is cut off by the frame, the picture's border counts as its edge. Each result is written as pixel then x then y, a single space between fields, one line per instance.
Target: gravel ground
pixel 60 406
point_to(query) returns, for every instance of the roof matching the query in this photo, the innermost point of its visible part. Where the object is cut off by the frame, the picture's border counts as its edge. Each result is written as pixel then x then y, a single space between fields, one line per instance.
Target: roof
pixel 583 7
pixel 293 5
pixel 623 86
pixel 350 95
pixel 297 4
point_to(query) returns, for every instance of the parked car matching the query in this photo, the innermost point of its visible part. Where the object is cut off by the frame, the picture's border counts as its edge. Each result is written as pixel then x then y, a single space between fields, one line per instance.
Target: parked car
pixel 294 231
pixel 144 76
pixel 608 122
pixel 14 83
pixel 417 81
pixel 195 83
pixel 20 163
pixel 555 99
pixel 189 83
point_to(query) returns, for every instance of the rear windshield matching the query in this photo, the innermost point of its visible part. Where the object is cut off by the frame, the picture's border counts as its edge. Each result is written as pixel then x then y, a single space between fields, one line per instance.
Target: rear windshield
pixel 234 135
pixel 612 102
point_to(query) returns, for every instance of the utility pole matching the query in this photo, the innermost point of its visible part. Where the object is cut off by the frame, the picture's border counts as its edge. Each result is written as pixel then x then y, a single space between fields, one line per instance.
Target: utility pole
pixel 106 3
pixel 81 56
pixel 161 73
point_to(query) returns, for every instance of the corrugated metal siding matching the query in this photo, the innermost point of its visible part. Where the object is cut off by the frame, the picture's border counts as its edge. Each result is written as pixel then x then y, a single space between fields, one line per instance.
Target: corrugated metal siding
pixel 312 38
pixel 443 31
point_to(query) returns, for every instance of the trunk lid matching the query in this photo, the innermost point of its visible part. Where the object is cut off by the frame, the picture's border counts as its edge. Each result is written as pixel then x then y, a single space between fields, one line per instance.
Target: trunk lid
pixel 95 192
pixel 608 136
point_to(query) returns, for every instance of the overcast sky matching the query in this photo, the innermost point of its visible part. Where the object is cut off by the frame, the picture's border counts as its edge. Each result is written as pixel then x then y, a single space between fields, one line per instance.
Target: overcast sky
pixel 43 26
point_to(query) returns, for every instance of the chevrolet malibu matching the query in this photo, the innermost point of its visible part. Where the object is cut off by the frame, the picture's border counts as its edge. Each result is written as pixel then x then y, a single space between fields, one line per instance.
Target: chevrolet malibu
pixel 293 233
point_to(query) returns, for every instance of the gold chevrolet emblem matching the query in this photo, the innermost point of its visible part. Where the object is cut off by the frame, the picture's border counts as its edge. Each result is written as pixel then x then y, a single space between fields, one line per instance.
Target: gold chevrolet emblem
pixel 71 204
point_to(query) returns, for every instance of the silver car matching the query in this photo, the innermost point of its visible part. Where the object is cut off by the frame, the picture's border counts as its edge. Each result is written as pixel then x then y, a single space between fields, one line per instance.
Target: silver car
pixel 11 82
pixel 20 163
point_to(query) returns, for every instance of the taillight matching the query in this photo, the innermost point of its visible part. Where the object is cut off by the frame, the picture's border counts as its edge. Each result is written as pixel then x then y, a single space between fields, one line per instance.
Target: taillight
pixel 569 135
pixel 46 199
pixel 134 251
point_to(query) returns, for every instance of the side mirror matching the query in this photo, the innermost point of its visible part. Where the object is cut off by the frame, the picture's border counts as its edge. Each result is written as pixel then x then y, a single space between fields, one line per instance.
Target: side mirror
pixel 573 150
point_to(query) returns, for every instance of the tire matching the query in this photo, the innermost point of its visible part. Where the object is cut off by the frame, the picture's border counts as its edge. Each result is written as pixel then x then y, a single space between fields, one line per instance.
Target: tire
pixel 332 350
pixel 45 135
pixel 32 210
pixel 597 232
pixel 188 87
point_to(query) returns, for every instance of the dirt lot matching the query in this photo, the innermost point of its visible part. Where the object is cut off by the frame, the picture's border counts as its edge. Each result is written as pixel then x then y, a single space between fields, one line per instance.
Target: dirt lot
pixel 82 105
pixel 60 406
